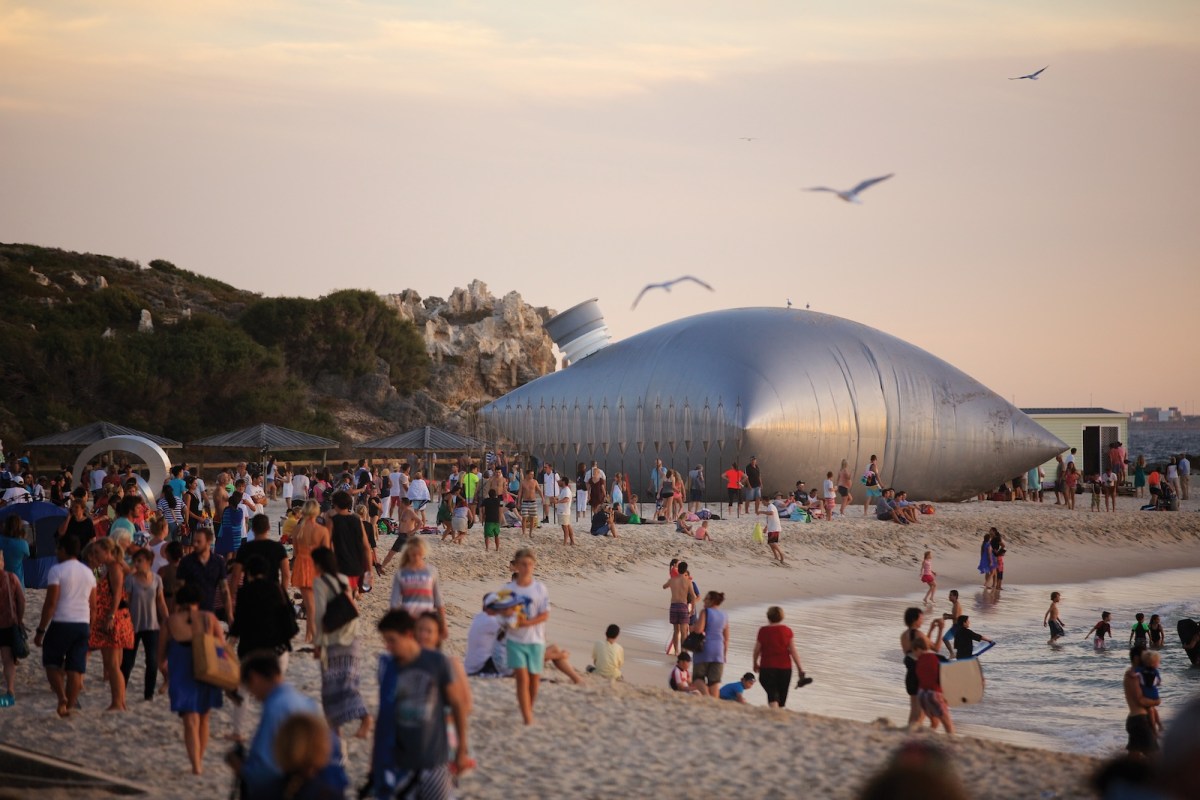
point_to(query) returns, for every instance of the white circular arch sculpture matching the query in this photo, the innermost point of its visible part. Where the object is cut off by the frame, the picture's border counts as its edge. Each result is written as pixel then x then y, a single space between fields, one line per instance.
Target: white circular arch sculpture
pixel 154 456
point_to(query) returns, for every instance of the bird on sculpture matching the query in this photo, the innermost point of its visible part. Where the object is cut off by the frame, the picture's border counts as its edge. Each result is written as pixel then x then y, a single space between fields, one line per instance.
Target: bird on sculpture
pixel 666 286
pixel 851 195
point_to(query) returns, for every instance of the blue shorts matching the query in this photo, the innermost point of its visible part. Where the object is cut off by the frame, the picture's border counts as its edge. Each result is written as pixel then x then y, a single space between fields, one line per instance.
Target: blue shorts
pixel 65 646
pixel 529 657
pixel 948 636
pixel 874 491
pixel 754 493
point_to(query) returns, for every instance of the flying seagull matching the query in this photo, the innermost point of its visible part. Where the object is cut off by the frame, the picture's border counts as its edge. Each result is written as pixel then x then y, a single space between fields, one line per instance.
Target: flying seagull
pixel 667 287
pixel 1033 76
pixel 851 196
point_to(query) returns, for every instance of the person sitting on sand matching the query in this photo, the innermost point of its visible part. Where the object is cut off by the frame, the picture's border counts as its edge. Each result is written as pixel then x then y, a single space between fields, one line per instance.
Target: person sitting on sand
pixel 701 532
pixel 1101 629
pixel 885 509
pixel 603 523
pixel 682 526
pixel 681 675
pixel 1053 620
pixel 607 656
pixel 736 691
pixel 904 508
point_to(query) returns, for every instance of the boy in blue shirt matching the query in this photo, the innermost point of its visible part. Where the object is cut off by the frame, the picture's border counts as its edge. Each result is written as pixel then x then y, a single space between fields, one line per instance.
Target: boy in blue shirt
pixel 734 691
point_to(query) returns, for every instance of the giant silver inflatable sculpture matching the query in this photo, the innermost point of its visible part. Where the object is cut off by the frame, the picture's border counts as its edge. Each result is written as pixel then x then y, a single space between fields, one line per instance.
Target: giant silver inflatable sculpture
pixel 798 389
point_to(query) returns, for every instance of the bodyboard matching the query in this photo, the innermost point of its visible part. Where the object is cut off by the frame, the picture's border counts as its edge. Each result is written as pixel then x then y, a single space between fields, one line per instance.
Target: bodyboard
pixel 1188 628
pixel 962 682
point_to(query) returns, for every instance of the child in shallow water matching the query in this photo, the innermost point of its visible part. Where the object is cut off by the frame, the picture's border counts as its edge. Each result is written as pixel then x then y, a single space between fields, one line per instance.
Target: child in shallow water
pixel 1151 683
pixel 1101 629
pixel 1156 632
pixel 928 576
pixel 1139 634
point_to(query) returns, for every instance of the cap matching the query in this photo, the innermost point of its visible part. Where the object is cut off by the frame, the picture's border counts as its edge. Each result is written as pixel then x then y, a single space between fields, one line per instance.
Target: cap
pixel 501 600
pixel 19 481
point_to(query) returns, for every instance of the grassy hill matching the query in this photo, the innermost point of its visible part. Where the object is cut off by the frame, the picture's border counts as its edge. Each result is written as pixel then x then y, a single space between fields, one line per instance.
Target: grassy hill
pixel 218 357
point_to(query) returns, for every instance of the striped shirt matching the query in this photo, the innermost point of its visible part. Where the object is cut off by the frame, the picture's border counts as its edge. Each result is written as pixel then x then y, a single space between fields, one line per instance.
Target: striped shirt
pixel 416 591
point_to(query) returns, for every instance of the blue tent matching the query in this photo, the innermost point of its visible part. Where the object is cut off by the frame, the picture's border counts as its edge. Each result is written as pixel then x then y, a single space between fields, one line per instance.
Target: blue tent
pixel 44 518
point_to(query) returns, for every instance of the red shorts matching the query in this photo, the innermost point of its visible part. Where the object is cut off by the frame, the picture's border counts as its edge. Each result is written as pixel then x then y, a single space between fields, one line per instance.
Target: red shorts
pixel 353 581
pixel 926 579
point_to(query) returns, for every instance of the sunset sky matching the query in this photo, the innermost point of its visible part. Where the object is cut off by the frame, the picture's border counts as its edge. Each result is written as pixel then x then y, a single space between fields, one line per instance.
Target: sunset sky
pixel 1042 236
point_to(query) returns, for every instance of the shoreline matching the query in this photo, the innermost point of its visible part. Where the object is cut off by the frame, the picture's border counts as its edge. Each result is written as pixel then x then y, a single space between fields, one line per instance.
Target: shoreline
pixel 629 738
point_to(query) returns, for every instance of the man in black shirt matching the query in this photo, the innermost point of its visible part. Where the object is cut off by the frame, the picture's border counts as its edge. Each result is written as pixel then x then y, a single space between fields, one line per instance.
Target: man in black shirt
pixel 205 570
pixel 491 506
pixel 801 494
pixel 965 638
pixel 348 539
pixel 263 545
pixel 753 484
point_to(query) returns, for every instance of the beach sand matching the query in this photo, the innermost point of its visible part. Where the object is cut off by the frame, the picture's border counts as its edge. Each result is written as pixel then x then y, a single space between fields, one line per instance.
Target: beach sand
pixel 635 738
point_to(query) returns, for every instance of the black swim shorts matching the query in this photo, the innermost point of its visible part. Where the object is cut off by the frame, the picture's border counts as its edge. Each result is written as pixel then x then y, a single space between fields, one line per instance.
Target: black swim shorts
pixel 1141 735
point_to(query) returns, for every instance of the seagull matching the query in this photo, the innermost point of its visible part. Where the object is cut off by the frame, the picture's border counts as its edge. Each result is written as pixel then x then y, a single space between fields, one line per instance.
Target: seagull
pixel 807 306
pixel 747 138
pixel 1033 76
pixel 851 196
pixel 667 286
pixel 789 302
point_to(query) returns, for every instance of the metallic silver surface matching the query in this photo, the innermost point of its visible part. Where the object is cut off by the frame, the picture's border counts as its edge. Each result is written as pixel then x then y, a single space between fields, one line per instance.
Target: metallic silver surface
pixel 799 389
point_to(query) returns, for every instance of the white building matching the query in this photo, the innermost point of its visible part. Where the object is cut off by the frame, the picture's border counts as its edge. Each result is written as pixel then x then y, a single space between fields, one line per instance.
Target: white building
pixel 1089 430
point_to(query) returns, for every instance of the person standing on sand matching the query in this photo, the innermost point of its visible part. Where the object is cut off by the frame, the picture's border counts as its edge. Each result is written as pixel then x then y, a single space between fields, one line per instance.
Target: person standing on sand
pixel 828 495
pixel 1139 477
pixel 190 699
pixel 1053 620
pixel 682 596
pixel 734 480
pixel 753 484
pixel 1185 475
pixel 1142 740
pixel 526 645
pixel 563 499
pixel 844 481
pixel 1060 475
pixel 597 494
pixel 913 617
pixel 774 654
pixel 773 531
pixel 870 479
pixel 1071 479
pixel 527 502
pixel 709 665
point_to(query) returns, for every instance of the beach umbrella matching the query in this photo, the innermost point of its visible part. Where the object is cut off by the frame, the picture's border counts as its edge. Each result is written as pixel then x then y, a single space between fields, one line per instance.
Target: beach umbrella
pixel 576 425
pixel 622 432
pixel 527 426
pixel 737 428
pixel 639 431
pixel 44 518
pixel 720 427
pixel 687 427
pixel 605 429
pixel 542 437
pixel 706 427
pixel 591 429
pixel 564 426
pixel 656 431
pixel 671 428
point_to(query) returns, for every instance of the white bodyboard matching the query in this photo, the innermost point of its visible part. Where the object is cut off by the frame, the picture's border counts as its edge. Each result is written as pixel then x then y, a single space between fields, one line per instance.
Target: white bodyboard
pixel 962 682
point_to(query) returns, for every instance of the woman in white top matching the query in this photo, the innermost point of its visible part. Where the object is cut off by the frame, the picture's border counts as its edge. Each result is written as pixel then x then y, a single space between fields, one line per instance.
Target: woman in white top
pixel 289 491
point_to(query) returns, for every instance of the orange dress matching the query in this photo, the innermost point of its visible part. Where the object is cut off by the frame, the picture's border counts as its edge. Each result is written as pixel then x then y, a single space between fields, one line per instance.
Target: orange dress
pixel 120 635
pixel 303 571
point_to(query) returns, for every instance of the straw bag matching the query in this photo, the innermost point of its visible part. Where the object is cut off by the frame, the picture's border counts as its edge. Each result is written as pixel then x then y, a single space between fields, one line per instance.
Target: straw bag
pixel 214 664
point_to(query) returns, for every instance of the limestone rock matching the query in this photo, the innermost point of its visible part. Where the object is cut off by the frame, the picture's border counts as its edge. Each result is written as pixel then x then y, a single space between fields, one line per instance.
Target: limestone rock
pixel 146 322
pixel 77 279
pixel 100 283
pixel 41 279
pixel 480 348
pixel 109 333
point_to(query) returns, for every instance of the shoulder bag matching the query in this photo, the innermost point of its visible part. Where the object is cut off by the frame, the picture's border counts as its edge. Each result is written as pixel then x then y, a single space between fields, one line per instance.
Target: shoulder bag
pixel 340 611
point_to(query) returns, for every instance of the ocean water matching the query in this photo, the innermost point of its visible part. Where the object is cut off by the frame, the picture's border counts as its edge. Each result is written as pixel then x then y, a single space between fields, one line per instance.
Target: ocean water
pixel 1066 697
pixel 1158 443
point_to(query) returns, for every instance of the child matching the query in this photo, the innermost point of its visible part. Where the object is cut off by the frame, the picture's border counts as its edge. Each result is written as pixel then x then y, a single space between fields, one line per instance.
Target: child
pixel 928 577
pixel 1097 490
pixel 1156 632
pixel 929 687
pixel 965 638
pixel 773 531
pixel 1139 634
pixel 1101 629
pixel 1053 620
pixel 607 657
pixel 527 631
pixel 148 610
pixel 736 691
pixel 681 676
pixel 1151 682
pixel 955 612
pixel 702 532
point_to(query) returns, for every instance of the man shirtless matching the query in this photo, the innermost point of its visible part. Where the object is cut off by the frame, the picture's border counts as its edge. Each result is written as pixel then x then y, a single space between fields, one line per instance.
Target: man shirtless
pixel 1142 741
pixel 527 502
pixel 682 596
pixel 406 526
